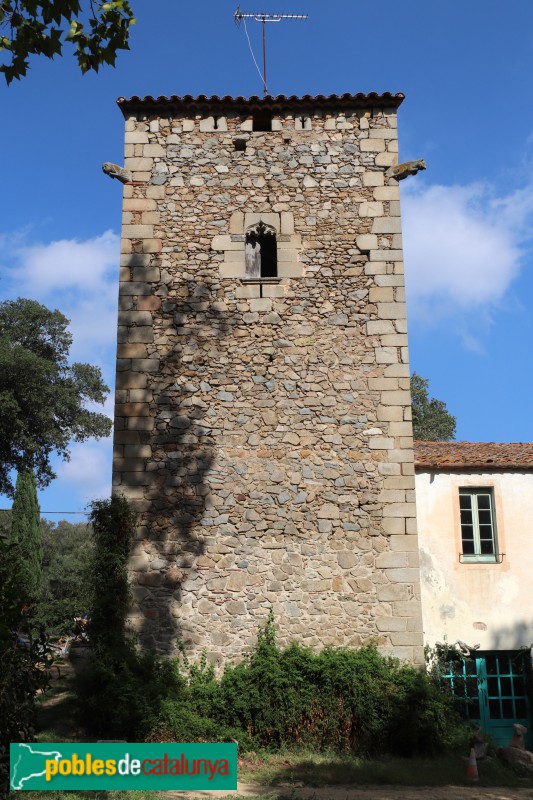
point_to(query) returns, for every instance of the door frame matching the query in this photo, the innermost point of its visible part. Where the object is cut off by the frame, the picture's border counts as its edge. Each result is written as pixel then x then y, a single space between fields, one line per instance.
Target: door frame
pixel 489 692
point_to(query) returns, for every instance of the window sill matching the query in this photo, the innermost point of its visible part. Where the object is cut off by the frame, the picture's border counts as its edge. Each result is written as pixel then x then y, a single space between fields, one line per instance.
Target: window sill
pixel 261 280
pixel 497 558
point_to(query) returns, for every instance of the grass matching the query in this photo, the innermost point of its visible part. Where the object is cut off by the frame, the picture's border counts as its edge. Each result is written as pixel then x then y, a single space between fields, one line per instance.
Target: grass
pixel 57 709
pixel 94 795
pixel 312 770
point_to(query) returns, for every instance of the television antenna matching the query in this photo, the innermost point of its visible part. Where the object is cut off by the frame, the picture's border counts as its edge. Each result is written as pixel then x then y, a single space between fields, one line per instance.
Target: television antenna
pixel 263 18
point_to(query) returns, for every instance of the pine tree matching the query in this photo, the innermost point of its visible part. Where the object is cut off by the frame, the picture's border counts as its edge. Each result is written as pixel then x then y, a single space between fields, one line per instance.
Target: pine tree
pixel 25 539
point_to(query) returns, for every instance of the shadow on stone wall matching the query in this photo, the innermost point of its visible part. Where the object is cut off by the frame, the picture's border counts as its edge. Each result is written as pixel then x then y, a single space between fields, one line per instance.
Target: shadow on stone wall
pixel 183 452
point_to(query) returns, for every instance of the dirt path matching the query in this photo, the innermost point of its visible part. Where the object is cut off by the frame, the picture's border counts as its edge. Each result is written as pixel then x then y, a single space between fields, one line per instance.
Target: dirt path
pixel 56 713
pixel 288 792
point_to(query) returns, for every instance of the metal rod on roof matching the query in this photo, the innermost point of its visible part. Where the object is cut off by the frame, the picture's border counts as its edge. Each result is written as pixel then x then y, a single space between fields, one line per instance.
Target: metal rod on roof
pixel 265 89
pixel 263 17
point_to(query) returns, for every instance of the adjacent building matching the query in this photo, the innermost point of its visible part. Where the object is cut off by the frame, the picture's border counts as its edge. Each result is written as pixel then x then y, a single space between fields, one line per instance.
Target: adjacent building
pixel 475 525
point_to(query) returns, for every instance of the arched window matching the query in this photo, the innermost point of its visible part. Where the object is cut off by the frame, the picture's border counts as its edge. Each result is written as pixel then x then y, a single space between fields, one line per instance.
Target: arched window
pixel 261 251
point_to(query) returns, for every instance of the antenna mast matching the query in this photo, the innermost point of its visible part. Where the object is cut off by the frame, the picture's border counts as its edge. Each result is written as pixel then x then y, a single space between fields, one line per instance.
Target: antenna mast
pixel 263 18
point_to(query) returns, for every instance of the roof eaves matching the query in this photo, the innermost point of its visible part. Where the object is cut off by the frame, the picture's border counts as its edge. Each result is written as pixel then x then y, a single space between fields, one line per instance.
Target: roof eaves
pixel 180 104
pixel 441 456
pixel 474 466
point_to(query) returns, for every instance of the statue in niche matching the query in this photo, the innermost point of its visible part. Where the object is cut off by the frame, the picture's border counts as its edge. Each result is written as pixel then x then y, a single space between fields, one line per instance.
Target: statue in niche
pixel 252 256
pixel 260 251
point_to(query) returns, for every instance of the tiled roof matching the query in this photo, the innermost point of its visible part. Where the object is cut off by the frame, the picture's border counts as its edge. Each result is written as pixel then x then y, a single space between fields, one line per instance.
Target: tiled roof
pixel 446 456
pixel 202 103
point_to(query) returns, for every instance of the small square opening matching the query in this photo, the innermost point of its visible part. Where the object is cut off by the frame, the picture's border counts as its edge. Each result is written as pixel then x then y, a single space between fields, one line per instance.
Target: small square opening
pixel 262 121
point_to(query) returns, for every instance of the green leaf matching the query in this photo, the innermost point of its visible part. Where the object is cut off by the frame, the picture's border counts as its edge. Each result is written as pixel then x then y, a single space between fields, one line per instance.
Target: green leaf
pixel 74 30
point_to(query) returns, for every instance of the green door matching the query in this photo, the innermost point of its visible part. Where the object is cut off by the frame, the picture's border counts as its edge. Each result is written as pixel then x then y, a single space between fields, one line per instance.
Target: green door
pixel 492 689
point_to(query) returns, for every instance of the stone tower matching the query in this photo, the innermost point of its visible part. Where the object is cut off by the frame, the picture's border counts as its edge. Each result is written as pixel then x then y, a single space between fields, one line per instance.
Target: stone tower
pixel 263 411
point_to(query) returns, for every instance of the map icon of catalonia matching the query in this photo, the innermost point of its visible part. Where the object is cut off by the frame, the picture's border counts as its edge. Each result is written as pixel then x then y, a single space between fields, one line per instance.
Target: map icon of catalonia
pixel 29 762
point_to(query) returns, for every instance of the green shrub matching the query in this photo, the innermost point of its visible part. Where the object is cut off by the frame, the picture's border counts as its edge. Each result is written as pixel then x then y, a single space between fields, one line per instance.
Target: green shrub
pixel 201 684
pixel 424 721
pixel 178 723
pixel 341 700
pixel 336 699
pixel 120 697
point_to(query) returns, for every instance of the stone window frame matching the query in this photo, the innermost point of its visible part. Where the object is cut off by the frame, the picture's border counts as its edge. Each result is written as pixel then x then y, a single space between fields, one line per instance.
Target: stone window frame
pixel 478 557
pixel 232 245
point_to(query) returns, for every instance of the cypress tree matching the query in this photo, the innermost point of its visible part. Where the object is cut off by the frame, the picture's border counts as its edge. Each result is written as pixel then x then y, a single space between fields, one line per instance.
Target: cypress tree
pixel 25 540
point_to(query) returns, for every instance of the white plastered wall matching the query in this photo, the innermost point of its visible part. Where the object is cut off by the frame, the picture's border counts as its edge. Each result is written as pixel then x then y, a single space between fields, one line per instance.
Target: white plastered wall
pixel 486 604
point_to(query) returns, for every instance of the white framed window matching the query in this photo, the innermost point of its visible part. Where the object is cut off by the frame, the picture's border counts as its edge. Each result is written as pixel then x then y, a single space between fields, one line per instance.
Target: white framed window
pixel 478 525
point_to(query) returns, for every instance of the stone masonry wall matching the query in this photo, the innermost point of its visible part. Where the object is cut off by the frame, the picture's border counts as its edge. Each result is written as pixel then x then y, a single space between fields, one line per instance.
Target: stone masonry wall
pixel 263 428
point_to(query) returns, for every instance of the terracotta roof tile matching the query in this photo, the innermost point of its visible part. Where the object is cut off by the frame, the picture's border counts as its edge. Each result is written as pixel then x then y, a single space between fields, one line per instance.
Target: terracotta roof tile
pixel 446 456
pixel 202 103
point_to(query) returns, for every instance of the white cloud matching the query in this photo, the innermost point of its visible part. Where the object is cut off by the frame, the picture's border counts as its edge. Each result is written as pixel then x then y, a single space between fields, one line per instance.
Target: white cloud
pixel 80 278
pixel 463 247
pixel 88 473
pixel 93 323
pixel 69 264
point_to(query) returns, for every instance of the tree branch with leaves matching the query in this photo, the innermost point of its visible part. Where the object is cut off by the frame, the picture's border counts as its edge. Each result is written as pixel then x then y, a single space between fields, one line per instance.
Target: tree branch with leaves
pixel 96 30
pixel 432 421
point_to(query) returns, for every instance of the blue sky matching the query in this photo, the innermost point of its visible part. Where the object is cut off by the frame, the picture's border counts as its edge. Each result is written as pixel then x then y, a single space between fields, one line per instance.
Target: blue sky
pixel 465 69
